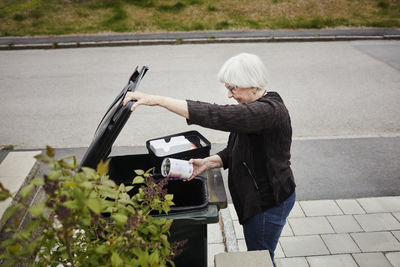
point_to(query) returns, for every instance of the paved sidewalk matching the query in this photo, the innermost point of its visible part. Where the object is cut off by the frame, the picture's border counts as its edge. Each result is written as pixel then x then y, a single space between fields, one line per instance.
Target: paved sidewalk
pixel 14 168
pixel 362 232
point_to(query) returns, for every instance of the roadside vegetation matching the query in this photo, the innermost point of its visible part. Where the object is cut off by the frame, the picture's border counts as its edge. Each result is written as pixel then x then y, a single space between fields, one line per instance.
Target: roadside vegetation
pixel 56 17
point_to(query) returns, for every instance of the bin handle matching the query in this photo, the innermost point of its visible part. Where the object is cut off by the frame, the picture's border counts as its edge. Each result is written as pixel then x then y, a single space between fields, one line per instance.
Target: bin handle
pixel 138 79
pixel 134 81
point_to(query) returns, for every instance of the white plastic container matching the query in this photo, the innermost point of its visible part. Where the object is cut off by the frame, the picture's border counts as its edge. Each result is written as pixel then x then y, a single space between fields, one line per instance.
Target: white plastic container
pixel 176 168
pixel 177 144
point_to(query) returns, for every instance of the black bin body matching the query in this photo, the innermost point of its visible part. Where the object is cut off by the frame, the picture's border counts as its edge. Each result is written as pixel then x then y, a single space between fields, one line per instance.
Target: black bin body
pixel 196 202
pixel 192 210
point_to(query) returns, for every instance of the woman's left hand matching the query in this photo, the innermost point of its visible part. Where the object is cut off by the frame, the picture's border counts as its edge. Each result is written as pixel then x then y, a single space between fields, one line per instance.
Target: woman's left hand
pixel 202 165
pixel 199 166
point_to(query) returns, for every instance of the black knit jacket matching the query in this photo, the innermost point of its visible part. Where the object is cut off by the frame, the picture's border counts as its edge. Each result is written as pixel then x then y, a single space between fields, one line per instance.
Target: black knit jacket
pixel 258 150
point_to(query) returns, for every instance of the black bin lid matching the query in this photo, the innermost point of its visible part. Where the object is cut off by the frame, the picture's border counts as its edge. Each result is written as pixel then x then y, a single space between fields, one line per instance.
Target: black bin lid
pixel 112 123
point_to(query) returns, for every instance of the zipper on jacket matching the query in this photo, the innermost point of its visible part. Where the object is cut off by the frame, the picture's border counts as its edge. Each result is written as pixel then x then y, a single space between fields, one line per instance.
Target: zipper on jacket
pixel 251 175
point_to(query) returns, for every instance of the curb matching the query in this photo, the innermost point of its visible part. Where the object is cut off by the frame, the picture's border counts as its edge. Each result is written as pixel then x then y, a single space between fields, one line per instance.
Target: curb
pixel 178 41
pixel 229 232
pixel 206 37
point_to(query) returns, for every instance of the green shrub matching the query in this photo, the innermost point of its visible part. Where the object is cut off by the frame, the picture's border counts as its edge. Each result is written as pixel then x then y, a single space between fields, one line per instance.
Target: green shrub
pixel 197 26
pixel 88 220
pixel 211 8
pixel 384 4
pixel 141 3
pixel 222 25
pixel 18 17
pixel 178 6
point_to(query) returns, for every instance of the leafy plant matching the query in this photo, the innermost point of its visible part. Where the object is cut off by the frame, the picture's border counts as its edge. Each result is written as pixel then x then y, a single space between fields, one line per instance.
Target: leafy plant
pixel 88 220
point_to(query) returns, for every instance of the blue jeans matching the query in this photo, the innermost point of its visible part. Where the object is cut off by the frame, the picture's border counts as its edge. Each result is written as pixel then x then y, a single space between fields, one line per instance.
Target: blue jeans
pixel 263 230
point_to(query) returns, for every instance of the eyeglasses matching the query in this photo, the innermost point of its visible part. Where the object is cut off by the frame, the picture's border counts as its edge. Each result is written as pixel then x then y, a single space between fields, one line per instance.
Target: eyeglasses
pixel 231 87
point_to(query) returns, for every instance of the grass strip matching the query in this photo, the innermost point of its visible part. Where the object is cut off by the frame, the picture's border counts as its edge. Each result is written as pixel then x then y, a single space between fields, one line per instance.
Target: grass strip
pixel 56 17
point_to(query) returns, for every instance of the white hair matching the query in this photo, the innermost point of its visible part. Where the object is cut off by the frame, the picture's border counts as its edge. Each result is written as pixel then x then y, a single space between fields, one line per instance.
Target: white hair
pixel 245 71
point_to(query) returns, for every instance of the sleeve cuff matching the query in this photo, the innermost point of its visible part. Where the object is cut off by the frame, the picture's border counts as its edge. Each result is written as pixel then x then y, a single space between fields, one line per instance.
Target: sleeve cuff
pixel 224 157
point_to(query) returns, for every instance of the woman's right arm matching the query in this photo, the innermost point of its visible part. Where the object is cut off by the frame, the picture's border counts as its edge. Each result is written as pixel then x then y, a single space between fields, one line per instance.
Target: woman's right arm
pixel 176 106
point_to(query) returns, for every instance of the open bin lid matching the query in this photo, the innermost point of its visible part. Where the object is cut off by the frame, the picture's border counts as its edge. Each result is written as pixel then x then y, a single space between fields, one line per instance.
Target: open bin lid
pixel 112 123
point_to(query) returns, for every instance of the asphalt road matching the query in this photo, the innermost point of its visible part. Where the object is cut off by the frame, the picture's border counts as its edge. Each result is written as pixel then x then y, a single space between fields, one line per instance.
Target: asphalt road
pixel 344 100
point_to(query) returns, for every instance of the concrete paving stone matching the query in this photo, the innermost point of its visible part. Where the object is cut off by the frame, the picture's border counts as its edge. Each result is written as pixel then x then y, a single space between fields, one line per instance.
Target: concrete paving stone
pixel 332 261
pixel 300 246
pixel 238 230
pixel 344 224
pixel 13 171
pixel 214 233
pixel 340 243
pixel 212 250
pixel 310 226
pixel 320 208
pixel 380 204
pixel 394 258
pixel 377 222
pixel 233 212
pixel 397 215
pixel 396 234
pixel 242 245
pixel 15 168
pixel 350 206
pixel 296 211
pixel 18 163
pixel 238 259
pixel 376 241
pixel 287 230
pixel 371 260
pixel 279 252
pixel 292 262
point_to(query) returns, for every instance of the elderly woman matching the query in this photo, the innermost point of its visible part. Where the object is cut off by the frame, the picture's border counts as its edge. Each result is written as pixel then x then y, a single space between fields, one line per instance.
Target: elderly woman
pixel 260 179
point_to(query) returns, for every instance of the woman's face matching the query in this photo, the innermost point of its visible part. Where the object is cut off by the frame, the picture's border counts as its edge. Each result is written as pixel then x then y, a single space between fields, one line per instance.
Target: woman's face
pixel 241 95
